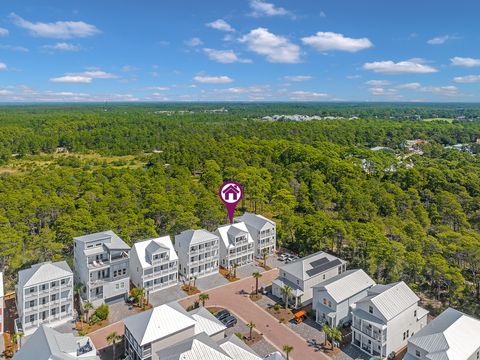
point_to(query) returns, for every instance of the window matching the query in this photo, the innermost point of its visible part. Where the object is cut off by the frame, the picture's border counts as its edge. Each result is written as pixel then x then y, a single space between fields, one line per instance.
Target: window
pixel 329 304
pixel 32 318
pixel 117 286
pixel 31 290
pixel 32 303
pixel 124 271
pixel 415 313
pixel 63 309
pixel 404 335
pixel 417 353
pixel 122 285
pixel 324 301
pixel 54 311
pixel 370 309
pixel 323 276
pixel 53 284
pixel 478 354
pixel 408 332
pixel 63 282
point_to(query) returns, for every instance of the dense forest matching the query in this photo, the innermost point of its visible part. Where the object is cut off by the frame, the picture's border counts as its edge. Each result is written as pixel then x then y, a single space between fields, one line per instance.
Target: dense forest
pixel 412 216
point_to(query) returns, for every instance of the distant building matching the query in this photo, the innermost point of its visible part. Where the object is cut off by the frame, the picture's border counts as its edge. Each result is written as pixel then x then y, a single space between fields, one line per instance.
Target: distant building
pixel 102 266
pixel 236 245
pixel 263 232
pixel 451 336
pixel 386 318
pixel 44 296
pixel 154 264
pixel 305 273
pixel 2 306
pixel 333 298
pixel 149 333
pixel 198 253
pixel 49 344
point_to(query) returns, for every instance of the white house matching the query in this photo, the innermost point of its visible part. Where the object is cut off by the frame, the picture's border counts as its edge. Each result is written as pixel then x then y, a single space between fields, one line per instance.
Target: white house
pixel 263 232
pixel 198 253
pixel 237 349
pixel 49 344
pixel 154 264
pixel 451 336
pixel 333 298
pixel 236 245
pixel 2 306
pixel 102 266
pixel 150 331
pixel 384 320
pixel 44 295
pixel 303 274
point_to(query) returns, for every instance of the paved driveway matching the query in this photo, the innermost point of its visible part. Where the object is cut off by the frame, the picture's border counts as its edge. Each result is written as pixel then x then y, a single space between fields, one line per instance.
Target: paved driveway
pixel 210 282
pixel 230 297
pixel 167 295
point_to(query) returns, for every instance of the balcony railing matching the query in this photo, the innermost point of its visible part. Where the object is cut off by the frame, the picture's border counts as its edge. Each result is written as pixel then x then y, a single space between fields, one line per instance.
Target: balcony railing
pixel 371 332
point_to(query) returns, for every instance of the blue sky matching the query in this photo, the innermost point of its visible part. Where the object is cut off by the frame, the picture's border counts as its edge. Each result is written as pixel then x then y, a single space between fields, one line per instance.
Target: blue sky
pixel 242 50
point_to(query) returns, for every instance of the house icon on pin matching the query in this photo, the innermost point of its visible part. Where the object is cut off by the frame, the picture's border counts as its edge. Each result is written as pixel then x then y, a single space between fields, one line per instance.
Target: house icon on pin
pixel 230 193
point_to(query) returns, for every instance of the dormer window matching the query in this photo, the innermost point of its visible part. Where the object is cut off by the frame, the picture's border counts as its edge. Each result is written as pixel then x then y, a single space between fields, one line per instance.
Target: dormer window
pixel 370 309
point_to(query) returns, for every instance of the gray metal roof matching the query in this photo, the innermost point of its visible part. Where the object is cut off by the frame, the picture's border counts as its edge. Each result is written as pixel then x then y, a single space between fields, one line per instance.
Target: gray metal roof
pixel 48 344
pixel 312 265
pixel 111 240
pixel 224 232
pixel 237 349
pixel 206 322
pixel 200 346
pixel 452 335
pixel 274 356
pixel 254 220
pixel 191 237
pixel 391 300
pixel 346 284
pixel 43 272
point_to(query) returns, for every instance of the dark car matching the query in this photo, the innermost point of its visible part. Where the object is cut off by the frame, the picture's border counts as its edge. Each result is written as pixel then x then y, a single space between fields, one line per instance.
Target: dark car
pixel 222 315
pixel 230 321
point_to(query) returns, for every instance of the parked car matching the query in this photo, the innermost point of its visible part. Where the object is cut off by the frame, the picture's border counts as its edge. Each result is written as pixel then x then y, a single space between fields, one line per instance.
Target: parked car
pixel 222 314
pixel 230 321
pixel 284 256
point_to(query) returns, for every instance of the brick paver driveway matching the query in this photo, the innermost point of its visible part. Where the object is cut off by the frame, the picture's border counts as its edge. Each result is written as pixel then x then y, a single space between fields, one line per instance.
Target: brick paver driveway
pixel 99 337
pixel 229 296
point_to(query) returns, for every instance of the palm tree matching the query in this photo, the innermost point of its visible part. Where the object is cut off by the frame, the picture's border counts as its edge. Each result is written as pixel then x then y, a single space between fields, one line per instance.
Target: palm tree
pixel 328 333
pixel 78 289
pixel 194 281
pixel 264 255
pixel 203 297
pixel 251 325
pixel 287 349
pixel 234 266
pixel 112 339
pixel 87 306
pixel 287 292
pixel 17 339
pixel 336 335
pixel 256 275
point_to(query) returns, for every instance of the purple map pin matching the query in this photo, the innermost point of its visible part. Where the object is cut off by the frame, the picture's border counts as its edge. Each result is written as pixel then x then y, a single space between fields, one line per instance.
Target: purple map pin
pixel 231 193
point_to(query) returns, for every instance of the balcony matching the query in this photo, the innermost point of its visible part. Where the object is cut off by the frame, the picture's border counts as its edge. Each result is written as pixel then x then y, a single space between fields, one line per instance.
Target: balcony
pixel 370 331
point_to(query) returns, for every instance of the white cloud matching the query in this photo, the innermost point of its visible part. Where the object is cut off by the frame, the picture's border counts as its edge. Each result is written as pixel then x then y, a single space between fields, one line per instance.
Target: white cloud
pixel 380 91
pixel 262 8
pixel 307 95
pixel 193 42
pixel 410 86
pixel 3 32
pixel 353 77
pixel 412 66
pixel 378 82
pixel 205 79
pixel 3 66
pixel 224 56
pixel 276 48
pixel 441 90
pixel 297 78
pixel 221 25
pixel 158 88
pixel 440 40
pixel 467 79
pixel 72 79
pixel 14 48
pixel 465 61
pixel 128 68
pixel 97 74
pixel 56 30
pixel 330 41
pixel 63 46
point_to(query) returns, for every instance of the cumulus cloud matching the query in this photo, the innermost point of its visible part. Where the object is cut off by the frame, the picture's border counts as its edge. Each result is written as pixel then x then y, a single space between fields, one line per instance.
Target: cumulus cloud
pixel 440 40
pixel 63 46
pixel 330 41
pixel 72 79
pixel 467 79
pixel 56 30
pixel 297 78
pixel 307 95
pixel 378 82
pixel 3 32
pixel 276 48
pixel 193 42
pixel 97 74
pixel 225 56
pixel 262 8
pixel 410 86
pixel 412 66
pixel 465 61
pixel 206 79
pixel 3 66
pixel 221 25
pixel 441 90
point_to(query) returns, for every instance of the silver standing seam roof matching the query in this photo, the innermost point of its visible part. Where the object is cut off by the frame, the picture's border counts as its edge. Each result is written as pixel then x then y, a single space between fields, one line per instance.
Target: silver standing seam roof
pixel 312 265
pixel 114 243
pixel 254 220
pixel 191 237
pixel 43 272
pixel 237 349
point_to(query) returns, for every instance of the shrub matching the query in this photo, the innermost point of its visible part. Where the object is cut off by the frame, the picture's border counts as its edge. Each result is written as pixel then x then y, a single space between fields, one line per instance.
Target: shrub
pixel 276 307
pixel 102 312
pixel 240 335
pixel 94 319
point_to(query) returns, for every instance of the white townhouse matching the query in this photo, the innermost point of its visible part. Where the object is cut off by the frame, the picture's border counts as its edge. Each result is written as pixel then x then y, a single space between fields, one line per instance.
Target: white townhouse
pixel 263 232
pixel 44 295
pixel 154 264
pixel 102 266
pixel 150 331
pixel 236 245
pixel 303 274
pixel 333 298
pixel 451 336
pixel 49 344
pixel 384 320
pixel 198 253
pixel 2 306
